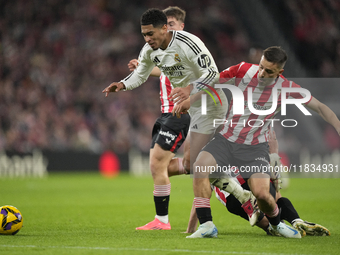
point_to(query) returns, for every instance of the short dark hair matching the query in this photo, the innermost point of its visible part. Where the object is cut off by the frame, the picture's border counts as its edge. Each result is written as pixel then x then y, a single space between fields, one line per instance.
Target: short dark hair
pixel 154 17
pixel 176 12
pixel 276 55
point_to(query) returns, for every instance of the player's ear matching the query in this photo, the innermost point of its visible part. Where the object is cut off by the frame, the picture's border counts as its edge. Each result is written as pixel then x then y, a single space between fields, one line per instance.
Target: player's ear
pixel 281 71
pixel 164 28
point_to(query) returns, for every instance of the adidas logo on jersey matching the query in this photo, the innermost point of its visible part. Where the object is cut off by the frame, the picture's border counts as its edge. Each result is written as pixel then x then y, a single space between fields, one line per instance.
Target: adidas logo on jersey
pixel 194 126
pixel 156 60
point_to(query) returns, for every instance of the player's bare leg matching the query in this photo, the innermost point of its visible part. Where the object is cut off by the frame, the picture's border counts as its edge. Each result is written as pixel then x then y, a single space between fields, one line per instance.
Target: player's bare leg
pixel 178 166
pixel 186 157
pixel 175 167
pixel 260 184
pixel 202 190
pixel 159 161
pixel 202 193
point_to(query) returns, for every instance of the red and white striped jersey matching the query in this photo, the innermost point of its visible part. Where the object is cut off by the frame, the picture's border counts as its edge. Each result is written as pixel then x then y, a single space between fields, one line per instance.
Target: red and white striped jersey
pixel 165 89
pixel 250 128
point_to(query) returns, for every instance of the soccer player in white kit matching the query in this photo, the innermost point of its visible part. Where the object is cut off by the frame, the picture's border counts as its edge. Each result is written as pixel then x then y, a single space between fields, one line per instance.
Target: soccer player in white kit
pixel 167 124
pixel 185 60
pixel 177 166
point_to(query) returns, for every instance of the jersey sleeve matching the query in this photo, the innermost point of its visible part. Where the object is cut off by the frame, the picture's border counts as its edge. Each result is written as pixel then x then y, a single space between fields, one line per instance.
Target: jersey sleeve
pixel 209 77
pixel 142 72
pixel 229 75
pixel 202 60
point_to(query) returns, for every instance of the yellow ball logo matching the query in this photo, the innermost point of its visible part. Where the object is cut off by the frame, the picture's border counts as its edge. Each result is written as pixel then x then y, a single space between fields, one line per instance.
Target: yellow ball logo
pixel 11 220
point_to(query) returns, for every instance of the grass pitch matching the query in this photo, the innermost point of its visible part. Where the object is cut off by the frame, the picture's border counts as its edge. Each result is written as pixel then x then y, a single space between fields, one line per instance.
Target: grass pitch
pixel 85 213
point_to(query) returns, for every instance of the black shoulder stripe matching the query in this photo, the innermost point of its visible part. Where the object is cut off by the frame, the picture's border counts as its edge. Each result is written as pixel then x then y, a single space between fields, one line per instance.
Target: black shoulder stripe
pixel 173 38
pixel 206 80
pixel 193 49
pixel 210 77
pixel 189 42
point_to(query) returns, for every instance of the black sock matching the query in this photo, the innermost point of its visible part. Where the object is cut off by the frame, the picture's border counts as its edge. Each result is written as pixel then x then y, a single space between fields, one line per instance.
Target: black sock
pixel 204 214
pixel 288 211
pixel 162 205
pixel 275 220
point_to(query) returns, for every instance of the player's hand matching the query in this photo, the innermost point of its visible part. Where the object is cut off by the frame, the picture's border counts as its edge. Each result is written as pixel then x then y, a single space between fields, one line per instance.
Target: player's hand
pixel 189 231
pixel 132 65
pixel 272 142
pixel 178 95
pixel 277 184
pixel 113 87
pixel 181 108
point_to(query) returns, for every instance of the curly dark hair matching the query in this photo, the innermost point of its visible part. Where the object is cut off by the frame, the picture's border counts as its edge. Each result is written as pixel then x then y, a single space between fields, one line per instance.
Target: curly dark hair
pixel 154 17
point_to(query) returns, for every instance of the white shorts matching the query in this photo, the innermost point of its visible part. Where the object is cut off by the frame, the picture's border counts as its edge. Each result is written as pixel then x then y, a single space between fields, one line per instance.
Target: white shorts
pixel 204 124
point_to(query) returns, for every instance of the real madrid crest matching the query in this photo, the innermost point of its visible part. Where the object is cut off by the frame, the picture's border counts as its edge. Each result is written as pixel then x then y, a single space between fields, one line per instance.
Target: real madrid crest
pixel 177 58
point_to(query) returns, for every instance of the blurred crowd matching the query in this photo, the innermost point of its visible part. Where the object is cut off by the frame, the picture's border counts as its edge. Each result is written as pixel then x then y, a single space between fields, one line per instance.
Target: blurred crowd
pixel 56 57
pixel 313 29
pixel 316 28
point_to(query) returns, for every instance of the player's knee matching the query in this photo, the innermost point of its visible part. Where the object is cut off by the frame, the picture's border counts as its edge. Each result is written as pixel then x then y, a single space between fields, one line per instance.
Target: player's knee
pixel 262 195
pixel 200 169
pixel 155 164
pixel 197 164
pixel 159 166
pixel 186 164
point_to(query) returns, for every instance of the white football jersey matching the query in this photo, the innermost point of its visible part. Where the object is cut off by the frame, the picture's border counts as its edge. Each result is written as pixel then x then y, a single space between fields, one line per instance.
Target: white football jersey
pixel 186 60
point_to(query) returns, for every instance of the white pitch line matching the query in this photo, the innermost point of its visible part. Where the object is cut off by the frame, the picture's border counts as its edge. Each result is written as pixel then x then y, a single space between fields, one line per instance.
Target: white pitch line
pixel 144 249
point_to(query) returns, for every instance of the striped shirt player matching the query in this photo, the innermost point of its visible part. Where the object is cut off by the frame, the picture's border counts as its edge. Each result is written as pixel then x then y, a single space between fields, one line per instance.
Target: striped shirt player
pixel 185 61
pixel 248 129
pixel 243 141
pixel 244 129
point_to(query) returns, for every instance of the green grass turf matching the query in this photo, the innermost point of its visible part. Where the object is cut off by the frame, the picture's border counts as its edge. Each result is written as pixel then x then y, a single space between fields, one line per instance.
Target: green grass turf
pixel 85 213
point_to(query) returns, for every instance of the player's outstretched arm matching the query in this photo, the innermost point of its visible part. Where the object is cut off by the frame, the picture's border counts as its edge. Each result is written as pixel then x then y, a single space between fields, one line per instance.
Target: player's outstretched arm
pixel 325 112
pixel 132 65
pixel 274 160
pixel 113 87
pixel 272 142
pixel 193 220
